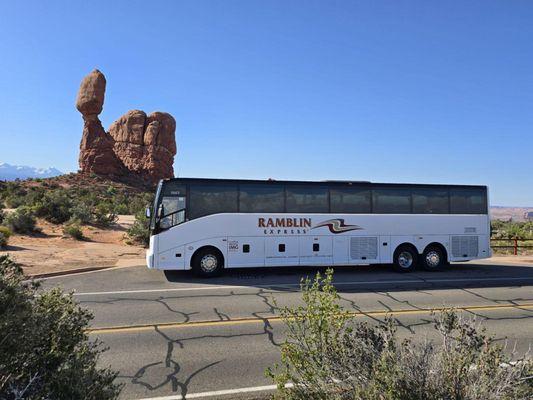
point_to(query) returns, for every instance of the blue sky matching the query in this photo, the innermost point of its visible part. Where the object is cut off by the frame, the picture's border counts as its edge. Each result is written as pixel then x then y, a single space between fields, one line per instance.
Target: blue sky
pixel 394 91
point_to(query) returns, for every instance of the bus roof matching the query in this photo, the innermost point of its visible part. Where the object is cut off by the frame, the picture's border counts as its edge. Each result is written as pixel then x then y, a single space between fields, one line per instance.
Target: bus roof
pixel 336 183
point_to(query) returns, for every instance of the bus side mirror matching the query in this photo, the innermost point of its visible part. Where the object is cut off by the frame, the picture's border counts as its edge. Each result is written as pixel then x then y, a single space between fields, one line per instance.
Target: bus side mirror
pixel 148 212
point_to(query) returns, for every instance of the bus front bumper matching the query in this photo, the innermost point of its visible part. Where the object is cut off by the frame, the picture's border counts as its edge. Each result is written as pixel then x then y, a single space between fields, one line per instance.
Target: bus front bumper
pixel 149 259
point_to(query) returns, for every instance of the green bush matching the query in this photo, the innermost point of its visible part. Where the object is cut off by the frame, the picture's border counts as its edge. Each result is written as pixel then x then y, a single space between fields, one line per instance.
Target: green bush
pixel 2 215
pixel 121 209
pixel 328 356
pixel 21 220
pixel 103 215
pixel 139 232
pixel 512 229
pixel 5 234
pixel 55 207
pixel 45 348
pixel 73 230
pixel 82 213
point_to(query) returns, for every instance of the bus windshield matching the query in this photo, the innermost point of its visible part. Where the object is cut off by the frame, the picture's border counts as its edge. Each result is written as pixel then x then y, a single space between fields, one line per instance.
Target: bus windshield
pixel 169 206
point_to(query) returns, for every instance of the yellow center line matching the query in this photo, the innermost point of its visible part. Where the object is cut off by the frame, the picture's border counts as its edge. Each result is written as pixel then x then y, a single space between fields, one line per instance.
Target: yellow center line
pixel 277 318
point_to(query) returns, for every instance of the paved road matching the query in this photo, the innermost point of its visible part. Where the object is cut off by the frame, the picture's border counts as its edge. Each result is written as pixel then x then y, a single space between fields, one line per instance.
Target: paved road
pixel 174 334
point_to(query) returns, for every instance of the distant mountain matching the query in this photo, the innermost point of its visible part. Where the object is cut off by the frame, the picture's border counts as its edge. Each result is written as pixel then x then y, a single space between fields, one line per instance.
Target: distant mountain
pixel 11 172
pixel 510 213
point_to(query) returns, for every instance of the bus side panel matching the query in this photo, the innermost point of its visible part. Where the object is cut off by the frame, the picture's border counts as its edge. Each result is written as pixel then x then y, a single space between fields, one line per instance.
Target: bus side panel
pixel 316 250
pixel 341 250
pixel 385 250
pixel 281 250
pixel 246 252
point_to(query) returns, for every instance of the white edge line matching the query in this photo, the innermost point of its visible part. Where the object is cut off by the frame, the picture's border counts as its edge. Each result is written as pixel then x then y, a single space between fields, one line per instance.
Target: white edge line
pixel 218 393
pixel 290 285
pixel 252 389
pixel 67 274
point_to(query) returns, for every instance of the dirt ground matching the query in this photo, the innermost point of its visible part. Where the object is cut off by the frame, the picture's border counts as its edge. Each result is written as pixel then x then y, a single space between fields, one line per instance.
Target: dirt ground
pixel 49 251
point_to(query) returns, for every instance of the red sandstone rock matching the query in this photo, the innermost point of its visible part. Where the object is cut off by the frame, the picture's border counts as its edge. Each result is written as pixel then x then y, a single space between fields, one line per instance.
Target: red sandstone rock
pixel 146 144
pixel 136 144
pixel 96 147
pixel 90 100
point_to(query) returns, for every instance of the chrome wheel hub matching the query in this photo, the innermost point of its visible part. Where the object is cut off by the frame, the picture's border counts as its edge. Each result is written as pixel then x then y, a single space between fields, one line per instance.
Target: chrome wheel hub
pixel 405 259
pixel 433 259
pixel 209 263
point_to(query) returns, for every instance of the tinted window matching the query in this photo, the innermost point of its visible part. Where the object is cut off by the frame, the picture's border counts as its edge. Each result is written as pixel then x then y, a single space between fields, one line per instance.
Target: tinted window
pixel 350 200
pixel 261 198
pixel 212 199
pixel 430 201
pixel 392 201
pixel 468 201
pixel 307 199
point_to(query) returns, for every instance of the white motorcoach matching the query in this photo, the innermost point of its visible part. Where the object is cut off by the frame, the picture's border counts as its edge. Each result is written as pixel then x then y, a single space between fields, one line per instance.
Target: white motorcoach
pixel 212 224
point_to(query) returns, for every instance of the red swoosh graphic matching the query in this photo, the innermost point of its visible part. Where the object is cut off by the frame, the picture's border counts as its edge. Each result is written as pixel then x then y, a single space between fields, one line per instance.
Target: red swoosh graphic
pixel 337 226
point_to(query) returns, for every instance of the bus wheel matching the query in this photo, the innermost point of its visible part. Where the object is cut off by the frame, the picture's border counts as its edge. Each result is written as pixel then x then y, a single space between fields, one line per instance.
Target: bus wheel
pixel 433 259
pixel 207 263
pixel 405 259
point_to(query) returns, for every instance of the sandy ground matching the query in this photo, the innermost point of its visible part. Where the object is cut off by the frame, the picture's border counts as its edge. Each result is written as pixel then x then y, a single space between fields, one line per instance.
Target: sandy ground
pixel 50 252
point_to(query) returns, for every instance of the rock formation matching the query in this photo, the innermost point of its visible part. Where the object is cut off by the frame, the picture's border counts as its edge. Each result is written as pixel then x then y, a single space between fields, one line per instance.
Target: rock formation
pixel 137 144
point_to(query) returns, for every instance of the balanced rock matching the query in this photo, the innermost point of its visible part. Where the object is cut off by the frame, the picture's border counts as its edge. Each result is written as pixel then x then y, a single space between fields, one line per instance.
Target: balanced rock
pixel 90 100
pixel 137 144
pixel 96 147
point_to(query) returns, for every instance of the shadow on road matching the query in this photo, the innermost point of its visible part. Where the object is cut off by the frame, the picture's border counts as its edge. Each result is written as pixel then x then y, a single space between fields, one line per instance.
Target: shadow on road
pixel 364 278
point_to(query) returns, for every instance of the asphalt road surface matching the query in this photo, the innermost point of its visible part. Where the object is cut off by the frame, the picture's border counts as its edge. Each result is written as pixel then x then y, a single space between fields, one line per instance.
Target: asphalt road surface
pixel 175 336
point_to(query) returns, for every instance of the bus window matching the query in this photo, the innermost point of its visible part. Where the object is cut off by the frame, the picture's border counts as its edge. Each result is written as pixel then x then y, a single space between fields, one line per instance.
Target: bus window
pixel 261 199
pixel 350 200
pixel 212 199
pixel 430 201
pixel 172 211
pixel 468 201
pixel 391 201
pixel 307 199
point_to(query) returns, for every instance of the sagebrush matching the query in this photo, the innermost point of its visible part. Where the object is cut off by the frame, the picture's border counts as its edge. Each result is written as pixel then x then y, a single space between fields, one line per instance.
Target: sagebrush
pixel 327 355
pixel 44 346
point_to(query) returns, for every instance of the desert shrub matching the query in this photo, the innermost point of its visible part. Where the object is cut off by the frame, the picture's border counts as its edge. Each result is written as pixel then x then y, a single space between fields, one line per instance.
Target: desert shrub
pixel 138 202
pixel 103 215
pixel 46 351
pixel 5 234
pixel 82 213
pixel 21 220
pixel 73 229
pixel 2 215
pixel 121 209
pixel 512 229
pixel 139 232
pixel 12 201
pixel 328 356
pixel 55 207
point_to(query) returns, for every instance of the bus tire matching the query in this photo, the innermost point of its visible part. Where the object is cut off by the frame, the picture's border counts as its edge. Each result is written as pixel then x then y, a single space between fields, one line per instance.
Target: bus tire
pixel 433 259
pixel 405 259
pixel 208 262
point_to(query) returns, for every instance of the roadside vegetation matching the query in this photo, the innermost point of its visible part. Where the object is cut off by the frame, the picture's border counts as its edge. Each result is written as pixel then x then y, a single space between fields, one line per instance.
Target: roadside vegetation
pixel 5 234
pixel 45 349
pixel 507 231
pixel 73 205
pixel 139 232
pixel 328 355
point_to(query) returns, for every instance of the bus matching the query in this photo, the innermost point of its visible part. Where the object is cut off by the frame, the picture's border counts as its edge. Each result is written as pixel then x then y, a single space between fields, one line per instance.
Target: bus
pixel 208 225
